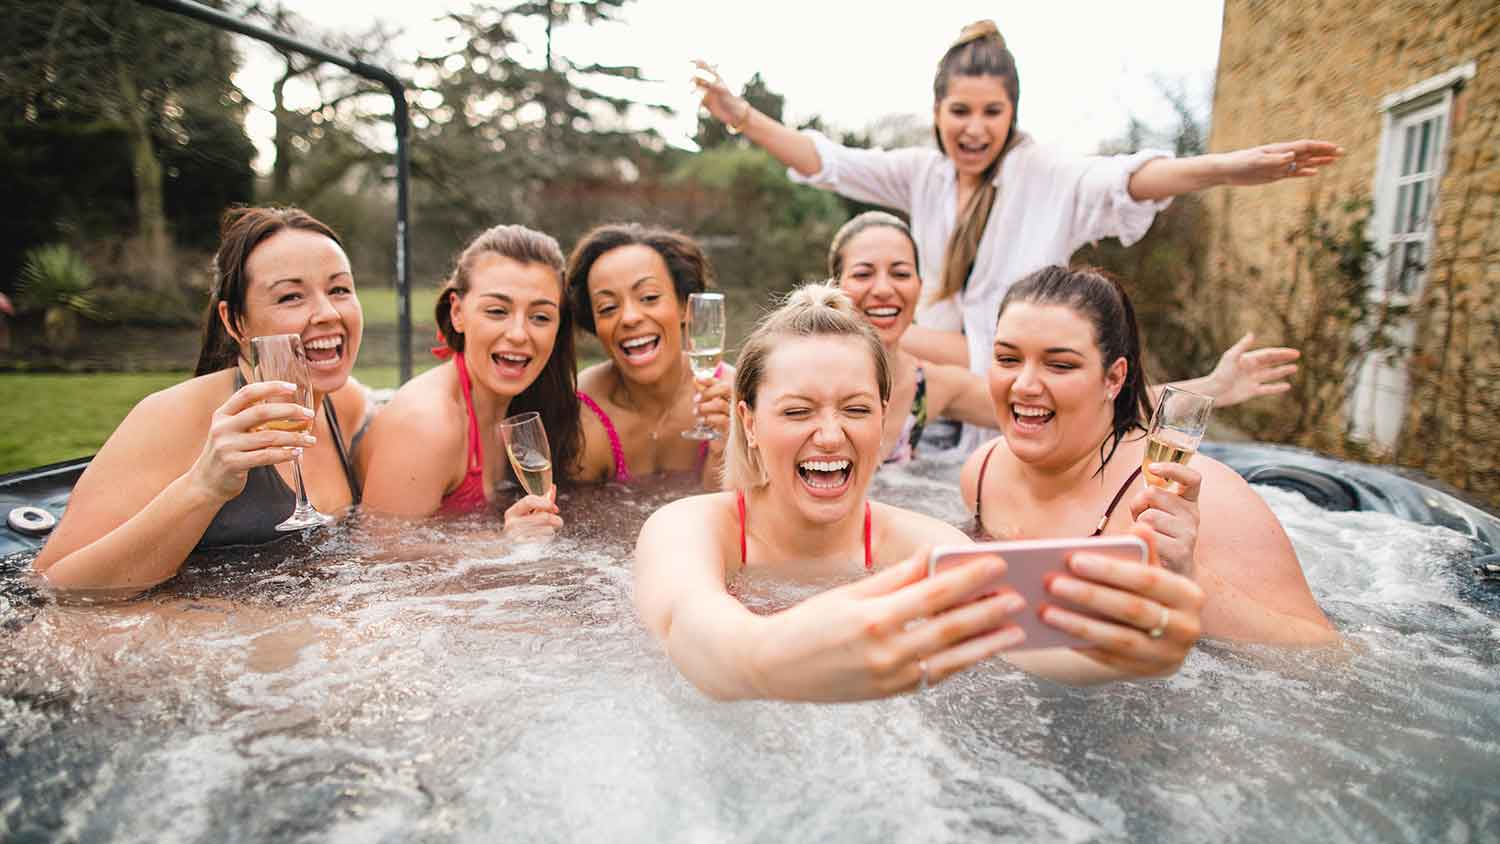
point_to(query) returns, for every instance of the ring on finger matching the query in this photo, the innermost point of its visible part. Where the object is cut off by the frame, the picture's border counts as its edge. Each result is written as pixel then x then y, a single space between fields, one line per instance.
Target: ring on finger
pixel 922 681
pixel 1161 625
pixel 1292 168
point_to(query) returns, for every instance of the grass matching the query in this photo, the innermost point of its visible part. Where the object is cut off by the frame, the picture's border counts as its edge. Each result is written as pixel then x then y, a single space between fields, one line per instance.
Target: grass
pixel 47 418
pixel 379 305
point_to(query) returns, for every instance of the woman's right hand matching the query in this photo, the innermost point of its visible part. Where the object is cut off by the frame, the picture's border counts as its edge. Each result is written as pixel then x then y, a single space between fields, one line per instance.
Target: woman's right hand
pixel 534 517
pixel 233 448
pixel 721 102
pixel 880 636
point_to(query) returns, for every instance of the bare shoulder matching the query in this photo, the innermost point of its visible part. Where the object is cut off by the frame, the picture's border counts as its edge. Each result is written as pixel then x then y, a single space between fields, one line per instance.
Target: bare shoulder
pixel 898 533
pixel 1233 515
pixel 697 521
pixel 428 405
pixel 175 419
pixel 596 460
pixel 968 478
pixel 596 380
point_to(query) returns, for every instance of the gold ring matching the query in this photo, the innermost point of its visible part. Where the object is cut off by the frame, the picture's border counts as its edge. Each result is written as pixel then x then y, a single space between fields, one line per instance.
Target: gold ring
pixel 1161 626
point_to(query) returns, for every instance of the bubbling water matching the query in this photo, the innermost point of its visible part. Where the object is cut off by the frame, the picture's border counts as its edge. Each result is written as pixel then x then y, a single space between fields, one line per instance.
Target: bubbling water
pixel 436 683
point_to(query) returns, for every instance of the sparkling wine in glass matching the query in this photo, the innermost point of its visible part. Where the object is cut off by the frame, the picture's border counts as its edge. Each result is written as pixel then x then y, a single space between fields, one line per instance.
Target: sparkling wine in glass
pixel 704 335
pixel 279 357
pixel 1177 427
pixel 530 457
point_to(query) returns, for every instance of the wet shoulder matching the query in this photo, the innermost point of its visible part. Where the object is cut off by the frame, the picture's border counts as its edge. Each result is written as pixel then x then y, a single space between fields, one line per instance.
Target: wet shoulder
pixel 710 519
pixel 430 405
pixel 183 406
pixel 968 478
pixel 897 533
pixel 596 381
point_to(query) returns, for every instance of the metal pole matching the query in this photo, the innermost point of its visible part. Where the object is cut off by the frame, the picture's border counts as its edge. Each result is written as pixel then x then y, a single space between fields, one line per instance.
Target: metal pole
pixel 399 114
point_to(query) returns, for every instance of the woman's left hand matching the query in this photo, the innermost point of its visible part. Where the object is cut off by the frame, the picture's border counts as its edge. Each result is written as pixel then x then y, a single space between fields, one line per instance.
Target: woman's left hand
pixel 1170 513
pixel 1242 375
pixel 711 404
pixel 1148 618
pixel 1272 162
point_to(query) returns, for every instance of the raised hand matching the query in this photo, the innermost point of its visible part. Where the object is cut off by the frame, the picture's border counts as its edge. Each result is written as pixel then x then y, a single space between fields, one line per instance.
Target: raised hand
pixel 862 641
pixel 233 447
pixel 1148 617
pixel 1272 162
pixel 1242 374
pixel 722 103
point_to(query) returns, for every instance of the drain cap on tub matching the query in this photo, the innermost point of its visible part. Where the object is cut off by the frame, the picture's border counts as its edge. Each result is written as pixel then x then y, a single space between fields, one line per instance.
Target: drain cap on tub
pixel 32 521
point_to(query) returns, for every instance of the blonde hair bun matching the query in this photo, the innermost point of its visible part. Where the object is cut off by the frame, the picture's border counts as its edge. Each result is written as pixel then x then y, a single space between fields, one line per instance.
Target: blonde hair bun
pixel 977 30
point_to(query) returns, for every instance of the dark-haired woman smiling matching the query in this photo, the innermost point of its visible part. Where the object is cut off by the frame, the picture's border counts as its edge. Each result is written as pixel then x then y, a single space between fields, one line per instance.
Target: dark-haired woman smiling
pixel 1072 402
pixel 188 467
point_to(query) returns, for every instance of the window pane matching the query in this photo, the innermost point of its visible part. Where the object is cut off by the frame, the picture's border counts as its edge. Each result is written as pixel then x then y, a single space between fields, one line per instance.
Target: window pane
pixel 1425 147
pixel 1403 195
pixel 1408 150
pixel 1437 134
pixel 1414 214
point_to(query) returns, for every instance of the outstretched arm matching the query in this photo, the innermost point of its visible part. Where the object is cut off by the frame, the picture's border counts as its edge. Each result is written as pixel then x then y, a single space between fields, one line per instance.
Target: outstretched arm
pixel 787 145
pixel 1163 178
pixel 1242 375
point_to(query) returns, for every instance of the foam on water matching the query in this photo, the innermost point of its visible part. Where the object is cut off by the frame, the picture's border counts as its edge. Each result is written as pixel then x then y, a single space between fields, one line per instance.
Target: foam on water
pixel 436 684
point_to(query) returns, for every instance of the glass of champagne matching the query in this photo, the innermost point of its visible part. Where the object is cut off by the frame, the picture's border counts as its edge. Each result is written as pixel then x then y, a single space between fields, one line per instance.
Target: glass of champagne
pixel 279 357
pixel 704 335
pixel 530 456
pixel 1177 427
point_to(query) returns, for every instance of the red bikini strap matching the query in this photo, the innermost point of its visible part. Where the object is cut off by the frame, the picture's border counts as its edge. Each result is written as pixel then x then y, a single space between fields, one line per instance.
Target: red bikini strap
pixel 739 503
pixel 476 448
pixel 869 558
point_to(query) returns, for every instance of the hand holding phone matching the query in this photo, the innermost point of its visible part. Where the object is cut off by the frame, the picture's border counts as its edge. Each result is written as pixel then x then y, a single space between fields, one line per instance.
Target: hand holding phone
pixel 1030 564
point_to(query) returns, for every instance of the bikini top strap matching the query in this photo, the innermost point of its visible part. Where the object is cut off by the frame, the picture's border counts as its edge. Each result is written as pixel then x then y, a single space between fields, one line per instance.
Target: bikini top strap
pixel 869 558
pixel 979 487
pixel 476 448
pixel 622 471
pixel 1115 502
pixel 355 492
pixel 739 505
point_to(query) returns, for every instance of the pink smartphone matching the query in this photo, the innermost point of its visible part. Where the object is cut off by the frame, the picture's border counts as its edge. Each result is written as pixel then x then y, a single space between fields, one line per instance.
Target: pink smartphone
pixel 1028 562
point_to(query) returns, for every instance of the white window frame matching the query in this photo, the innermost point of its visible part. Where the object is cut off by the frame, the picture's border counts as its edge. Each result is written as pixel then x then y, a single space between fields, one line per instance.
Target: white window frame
pixel 1422 101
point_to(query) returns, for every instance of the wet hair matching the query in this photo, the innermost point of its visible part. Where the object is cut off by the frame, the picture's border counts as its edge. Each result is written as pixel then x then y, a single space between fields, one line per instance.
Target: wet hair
pixel 815 309
pixel 554 393
pixel 979 51
pixel 240 231
pixel 859 225
pixel 689 267
pixel 1097 296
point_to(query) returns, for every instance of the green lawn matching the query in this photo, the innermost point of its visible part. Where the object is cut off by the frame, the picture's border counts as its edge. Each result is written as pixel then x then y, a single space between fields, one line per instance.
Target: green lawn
pixel 379 305
pixel 47 418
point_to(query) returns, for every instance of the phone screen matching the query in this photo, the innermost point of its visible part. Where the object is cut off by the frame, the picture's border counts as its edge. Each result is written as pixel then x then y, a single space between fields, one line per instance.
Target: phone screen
pixel 1028 563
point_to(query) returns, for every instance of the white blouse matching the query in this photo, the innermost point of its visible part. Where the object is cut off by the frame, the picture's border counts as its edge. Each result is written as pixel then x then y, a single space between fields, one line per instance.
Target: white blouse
pixel 1048 205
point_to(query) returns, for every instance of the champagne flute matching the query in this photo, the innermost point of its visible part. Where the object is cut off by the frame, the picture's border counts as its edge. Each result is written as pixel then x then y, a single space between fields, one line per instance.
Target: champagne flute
pixel 704 334
pixel 526 445
pixel 1177 427
pixel 279 357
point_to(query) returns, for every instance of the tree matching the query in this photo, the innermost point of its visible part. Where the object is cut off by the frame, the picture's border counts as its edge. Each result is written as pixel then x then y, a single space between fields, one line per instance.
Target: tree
pixel 158 82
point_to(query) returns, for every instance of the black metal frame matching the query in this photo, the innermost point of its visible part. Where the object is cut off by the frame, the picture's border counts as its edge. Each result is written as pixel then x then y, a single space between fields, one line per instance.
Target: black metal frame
pixel 400 116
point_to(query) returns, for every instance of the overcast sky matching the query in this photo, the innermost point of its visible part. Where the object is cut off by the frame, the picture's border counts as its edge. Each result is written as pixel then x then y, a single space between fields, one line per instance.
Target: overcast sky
pixel 1085 65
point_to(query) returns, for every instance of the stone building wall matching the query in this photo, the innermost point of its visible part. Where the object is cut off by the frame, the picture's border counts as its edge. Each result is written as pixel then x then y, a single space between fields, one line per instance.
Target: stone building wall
pixel 1321 69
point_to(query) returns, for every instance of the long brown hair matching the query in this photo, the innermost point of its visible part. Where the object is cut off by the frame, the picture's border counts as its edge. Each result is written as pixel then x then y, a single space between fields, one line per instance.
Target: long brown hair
pixel 979 51
pixel 240 231
pixel 1099 297
pixel 554 393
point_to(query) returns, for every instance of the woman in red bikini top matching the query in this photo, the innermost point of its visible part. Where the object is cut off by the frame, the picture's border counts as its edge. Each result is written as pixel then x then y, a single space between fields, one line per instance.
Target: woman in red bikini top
pixel 508 331
pixel 805 440
pixel 629 286
pixel 1072 404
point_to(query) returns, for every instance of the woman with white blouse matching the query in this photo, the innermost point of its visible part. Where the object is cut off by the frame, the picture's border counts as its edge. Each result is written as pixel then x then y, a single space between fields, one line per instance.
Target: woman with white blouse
pixel 991 204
